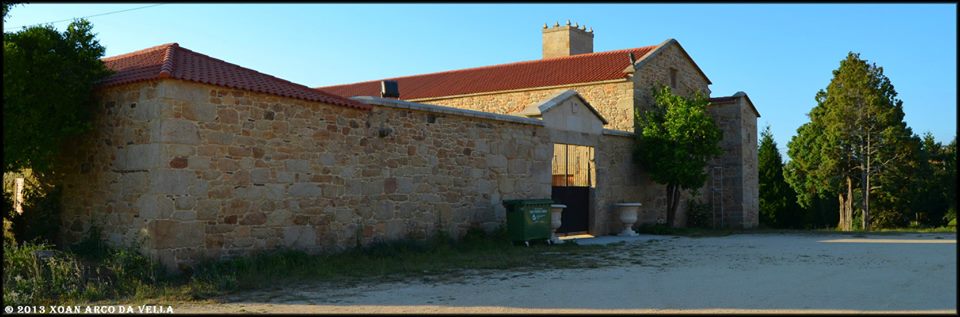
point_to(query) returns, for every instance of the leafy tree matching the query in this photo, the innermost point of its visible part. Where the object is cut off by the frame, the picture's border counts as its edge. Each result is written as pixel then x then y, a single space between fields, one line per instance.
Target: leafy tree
pixel 675 140
pixel 6 9
pixel 950 173
pixel 778 201
pixel 48 79
pixel 934 183
pixel 856 135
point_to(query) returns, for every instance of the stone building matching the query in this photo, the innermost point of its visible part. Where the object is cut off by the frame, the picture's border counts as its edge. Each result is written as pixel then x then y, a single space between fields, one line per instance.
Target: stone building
pixel 192 157
pixel 617 83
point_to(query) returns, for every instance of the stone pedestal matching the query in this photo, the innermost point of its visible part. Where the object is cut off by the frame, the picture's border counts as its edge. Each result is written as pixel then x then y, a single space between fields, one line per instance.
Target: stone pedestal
pixel 628 215
pixel 555 211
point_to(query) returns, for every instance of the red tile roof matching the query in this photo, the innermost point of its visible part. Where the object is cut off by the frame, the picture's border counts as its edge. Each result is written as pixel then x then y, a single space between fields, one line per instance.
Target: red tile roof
pixel 172 61
pixel 574 69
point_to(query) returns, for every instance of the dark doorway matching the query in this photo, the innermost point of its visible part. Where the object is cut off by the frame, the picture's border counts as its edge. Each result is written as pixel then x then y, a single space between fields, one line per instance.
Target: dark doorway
pixel 573 176
pixel 576 217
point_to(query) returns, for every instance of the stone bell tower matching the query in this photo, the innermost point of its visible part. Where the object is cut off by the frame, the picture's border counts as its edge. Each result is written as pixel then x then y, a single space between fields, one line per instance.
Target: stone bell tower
pixel 566 40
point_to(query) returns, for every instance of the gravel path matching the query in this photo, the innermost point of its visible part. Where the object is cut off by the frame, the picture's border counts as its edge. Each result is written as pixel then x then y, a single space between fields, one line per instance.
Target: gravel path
pixel 746 273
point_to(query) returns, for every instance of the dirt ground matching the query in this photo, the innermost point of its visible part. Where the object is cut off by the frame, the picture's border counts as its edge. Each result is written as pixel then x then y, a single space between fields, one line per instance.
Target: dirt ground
pixel 746 273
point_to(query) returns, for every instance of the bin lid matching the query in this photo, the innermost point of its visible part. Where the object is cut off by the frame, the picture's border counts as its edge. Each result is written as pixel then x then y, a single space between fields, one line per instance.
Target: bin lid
pixel 523 202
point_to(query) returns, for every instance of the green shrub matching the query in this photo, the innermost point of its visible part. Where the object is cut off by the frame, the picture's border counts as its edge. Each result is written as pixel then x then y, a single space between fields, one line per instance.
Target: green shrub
pixel 7 205
pixel 951 217
pixel 129 271
pixel 8 237
pixel 36 274
pixel 91 247
pixel 886 218
pixel 698 214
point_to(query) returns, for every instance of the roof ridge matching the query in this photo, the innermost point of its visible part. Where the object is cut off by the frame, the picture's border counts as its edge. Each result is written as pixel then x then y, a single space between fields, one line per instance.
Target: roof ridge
pixel 166 69
pixel 139 52
pixel 168 61
pixel 501 65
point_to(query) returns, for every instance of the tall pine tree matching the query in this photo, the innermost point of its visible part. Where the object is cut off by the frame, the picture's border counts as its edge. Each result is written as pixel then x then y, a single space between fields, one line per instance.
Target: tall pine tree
pixel 856 139
pixel 778 202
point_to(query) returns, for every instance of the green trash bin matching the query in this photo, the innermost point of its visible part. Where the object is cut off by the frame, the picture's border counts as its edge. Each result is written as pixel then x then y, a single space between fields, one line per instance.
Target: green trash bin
pixel 528 219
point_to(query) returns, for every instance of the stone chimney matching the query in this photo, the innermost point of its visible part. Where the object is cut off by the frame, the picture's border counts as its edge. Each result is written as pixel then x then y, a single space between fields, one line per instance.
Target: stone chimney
pixel 566 40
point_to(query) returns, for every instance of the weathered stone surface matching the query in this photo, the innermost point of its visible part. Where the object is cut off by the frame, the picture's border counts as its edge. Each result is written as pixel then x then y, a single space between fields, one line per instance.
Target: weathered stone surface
pixel 179 162
pixel 390 185
pixel 199 112
pixel 304 190
pixel 170 181
pixel 176 131
pixel 147 205
pixel 260 175
pixel 298 166
pixel 184 202
pixel 138 157
pixel 497 160
pixel 165 234
pixel 184 215
pixel 279 218
pixel 227 116
pixel 299 237
pixel 254 218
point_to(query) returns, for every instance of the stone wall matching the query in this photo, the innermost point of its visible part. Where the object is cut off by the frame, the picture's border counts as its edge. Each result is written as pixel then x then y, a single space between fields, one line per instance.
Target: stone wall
pixel 751 173
pixel 620 179
pixel 222 172
pixel 614 101
pixel 740 195
pixel 655 72
pixel 109 169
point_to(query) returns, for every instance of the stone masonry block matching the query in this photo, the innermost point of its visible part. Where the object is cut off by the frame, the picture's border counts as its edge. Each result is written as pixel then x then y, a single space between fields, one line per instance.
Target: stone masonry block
pixel 298 166
pixel 177 131
pixel 304 190
pixel 167 234
pixel 170 181
pixel 138 157
pixel 300 237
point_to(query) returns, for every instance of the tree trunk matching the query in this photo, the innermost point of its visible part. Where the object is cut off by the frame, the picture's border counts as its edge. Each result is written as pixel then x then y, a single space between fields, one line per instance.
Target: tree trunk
pixel 866 190
pixel 842 211
pixel 673 196
pixel 676 203
pixel 846 208
pixel 863 204
pixel 849 204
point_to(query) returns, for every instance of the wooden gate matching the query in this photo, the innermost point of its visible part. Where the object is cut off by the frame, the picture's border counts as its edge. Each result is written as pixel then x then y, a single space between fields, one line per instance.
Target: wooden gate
pixel 573 176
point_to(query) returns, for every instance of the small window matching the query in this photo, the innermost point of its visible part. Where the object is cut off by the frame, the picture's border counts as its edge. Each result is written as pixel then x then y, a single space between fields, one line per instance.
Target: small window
pixel 673 78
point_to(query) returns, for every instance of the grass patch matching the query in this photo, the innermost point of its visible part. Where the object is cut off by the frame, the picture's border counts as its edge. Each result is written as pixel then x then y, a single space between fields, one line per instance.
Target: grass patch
pixel 439 258
pixel 38 274
pixel 111 275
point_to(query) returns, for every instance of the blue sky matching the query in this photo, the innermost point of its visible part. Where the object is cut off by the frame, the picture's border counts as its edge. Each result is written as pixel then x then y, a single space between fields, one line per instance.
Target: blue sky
pixel 780 55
